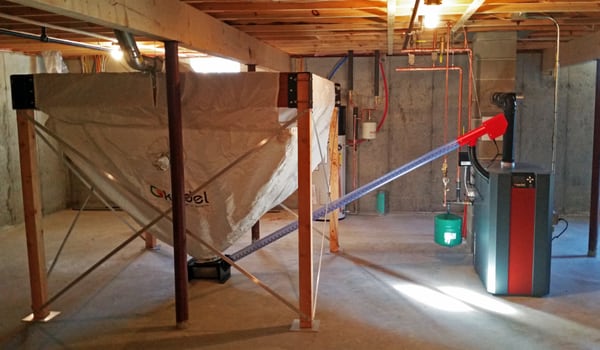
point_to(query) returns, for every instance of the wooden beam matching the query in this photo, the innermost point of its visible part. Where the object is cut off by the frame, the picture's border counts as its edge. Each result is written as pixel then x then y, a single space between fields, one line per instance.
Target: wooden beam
pixel 150 240
pixel 334 181
pixel 467 14
pixel 541 7
pixel 391 19
pixel 32 207
pixel 305 261
pixel 220 6
pixel 583 49
pixel 170 20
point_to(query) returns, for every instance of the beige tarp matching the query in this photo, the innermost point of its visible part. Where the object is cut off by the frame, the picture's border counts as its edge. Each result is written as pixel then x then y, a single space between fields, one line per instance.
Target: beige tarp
pixel 119 122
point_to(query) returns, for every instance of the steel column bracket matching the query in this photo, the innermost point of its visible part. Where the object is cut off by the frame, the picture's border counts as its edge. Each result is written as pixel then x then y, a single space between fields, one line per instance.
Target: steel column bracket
pixel 22 91
pixel 288 90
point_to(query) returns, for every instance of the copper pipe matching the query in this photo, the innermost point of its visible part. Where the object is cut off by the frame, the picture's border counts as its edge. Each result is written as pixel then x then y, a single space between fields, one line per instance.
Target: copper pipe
pixel 428 51
pixel 470 91
pixel 466 50
pixel 460 83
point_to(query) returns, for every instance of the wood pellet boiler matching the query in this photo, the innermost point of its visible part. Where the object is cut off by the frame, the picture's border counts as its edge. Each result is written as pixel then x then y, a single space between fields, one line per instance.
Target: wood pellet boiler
pixel 512 216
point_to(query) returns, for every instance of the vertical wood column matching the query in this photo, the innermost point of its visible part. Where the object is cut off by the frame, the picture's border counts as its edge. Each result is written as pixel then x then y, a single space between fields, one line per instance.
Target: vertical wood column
pixel 150 240
pixel 334 180
pixel 32 207
pixel 177 181
pixel 305 261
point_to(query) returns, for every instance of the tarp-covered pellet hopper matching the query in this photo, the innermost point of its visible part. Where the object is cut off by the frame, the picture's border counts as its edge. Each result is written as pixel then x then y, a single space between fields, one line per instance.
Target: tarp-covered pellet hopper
pixel 116 126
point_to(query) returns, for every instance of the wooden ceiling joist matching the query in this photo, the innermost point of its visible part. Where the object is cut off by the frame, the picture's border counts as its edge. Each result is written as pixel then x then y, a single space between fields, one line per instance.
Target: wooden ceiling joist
pixel 170 20
pixel 268 32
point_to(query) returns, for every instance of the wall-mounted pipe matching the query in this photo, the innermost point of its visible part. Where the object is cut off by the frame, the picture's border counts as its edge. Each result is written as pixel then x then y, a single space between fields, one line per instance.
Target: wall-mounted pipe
pixel 463 50
pixel 48 39
pixel 376 74
pixel 53 26
pixel 411 24
pixel 350 70
pixel 132 54
pixel 475 161
pixel 508 103
pixel 447 69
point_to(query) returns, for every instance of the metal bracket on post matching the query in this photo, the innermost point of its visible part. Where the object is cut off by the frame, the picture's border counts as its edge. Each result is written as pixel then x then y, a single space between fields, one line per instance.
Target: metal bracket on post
pixel 23 100
pixel 292 90
pixel 289 85
pixel 22 91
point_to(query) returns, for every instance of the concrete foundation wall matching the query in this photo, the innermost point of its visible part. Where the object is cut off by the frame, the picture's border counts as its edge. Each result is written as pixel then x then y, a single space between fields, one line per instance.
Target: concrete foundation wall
pixel 534 133
pixel 415 124
pixel 53 176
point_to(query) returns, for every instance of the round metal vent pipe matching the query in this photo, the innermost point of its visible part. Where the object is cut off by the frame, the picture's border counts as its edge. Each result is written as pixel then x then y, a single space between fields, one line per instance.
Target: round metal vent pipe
pixel 133 57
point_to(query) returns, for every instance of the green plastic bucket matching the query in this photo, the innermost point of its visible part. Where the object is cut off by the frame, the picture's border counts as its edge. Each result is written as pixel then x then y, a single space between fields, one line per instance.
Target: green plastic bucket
pixel 448 229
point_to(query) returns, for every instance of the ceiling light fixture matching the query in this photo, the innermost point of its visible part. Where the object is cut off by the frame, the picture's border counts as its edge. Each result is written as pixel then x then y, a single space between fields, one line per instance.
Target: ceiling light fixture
pixel 431 13
pixel 116 53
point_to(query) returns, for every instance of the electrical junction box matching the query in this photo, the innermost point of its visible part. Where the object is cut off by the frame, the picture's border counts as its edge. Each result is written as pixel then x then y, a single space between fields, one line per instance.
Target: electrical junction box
pixel 512 230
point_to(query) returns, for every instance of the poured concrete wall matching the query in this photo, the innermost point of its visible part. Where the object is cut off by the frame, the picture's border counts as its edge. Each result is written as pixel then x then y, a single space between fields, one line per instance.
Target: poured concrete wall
pixel 575 124
pixel 53 177
pixel 415 125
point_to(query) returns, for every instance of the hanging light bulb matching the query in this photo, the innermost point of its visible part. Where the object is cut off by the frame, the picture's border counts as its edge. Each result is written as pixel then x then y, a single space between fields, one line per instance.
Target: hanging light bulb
pixel 116 53
pixel 431 13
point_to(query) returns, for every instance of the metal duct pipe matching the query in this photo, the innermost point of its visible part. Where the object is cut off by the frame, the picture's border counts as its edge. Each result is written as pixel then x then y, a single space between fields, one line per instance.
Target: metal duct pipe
pixel 133 56
pixel 508 103
pixel 411 24
pixel 48 39
pixel 476 164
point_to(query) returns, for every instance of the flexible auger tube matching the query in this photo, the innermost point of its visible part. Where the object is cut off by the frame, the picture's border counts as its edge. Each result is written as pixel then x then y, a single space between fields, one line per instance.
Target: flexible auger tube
pixel 493 127
pixel 348 198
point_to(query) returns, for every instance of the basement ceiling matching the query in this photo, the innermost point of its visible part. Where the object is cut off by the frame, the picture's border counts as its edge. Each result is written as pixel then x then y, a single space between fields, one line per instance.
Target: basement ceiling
pixel 314 28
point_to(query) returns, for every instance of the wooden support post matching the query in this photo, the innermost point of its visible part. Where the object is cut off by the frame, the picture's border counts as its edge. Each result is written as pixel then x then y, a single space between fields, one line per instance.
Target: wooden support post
pixel 177 181
pixel 334 180
pixel 32 207
pixel 305 261
pixel 150 240
pixel 255 227
pixel 256 231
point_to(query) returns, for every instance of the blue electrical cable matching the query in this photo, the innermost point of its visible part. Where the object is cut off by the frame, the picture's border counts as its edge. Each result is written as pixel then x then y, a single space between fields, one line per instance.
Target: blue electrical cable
pixel 336 67
pixel 348 198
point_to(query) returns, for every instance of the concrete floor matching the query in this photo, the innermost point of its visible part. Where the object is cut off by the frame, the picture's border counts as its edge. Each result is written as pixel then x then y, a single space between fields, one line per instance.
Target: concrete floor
pixel 390 288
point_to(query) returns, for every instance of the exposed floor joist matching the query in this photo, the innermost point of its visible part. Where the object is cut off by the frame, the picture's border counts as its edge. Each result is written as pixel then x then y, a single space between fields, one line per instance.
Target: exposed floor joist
pixel 170 20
